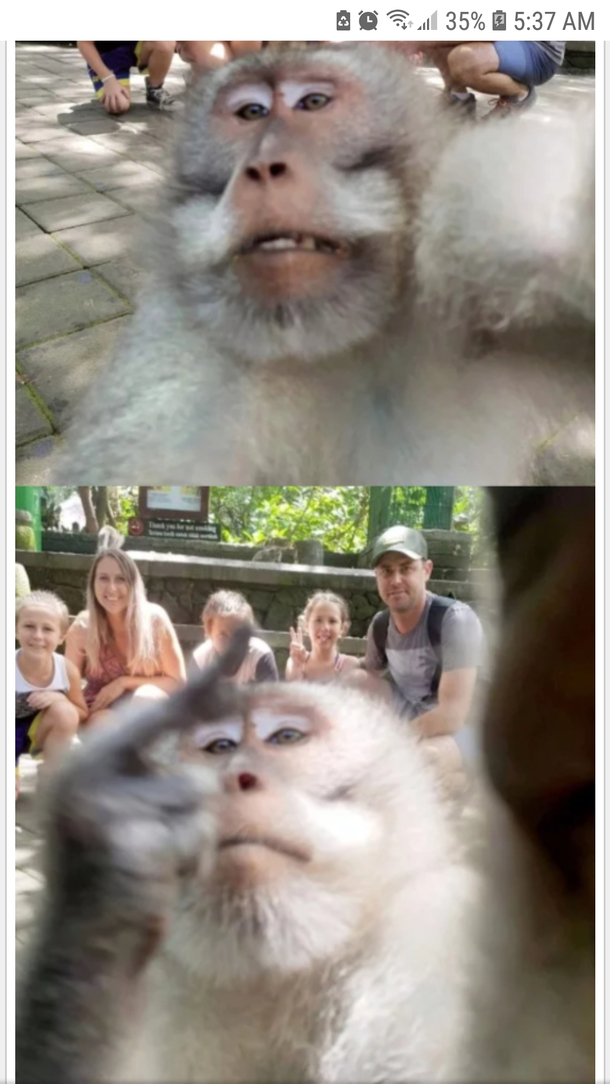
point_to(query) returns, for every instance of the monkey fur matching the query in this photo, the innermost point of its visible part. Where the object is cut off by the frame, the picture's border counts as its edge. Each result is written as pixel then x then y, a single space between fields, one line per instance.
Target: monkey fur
pixel 285 898
pixel 344 282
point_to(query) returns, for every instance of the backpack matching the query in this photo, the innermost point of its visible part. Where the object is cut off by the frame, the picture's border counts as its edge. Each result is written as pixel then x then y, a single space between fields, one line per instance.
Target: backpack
pixel 438 607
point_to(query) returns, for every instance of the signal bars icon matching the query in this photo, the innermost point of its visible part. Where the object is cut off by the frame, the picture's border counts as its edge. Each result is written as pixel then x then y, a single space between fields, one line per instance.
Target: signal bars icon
pixel 429 24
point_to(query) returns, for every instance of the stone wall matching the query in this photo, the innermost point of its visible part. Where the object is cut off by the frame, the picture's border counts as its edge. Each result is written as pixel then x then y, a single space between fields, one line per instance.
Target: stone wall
pixel 277 592
pixel 449 550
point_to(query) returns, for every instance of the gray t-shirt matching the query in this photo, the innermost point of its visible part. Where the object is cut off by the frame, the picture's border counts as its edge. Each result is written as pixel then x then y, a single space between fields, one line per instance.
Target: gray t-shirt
pixel 554 49
pixel 412 660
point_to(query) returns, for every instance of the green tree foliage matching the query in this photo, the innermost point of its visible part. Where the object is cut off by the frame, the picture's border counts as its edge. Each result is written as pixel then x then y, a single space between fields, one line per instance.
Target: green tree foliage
pixel 337 516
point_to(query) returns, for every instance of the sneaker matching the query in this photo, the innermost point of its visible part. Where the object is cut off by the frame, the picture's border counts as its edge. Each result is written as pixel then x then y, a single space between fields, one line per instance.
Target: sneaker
pixel 160 98
pixel 467 105
pixel 504 107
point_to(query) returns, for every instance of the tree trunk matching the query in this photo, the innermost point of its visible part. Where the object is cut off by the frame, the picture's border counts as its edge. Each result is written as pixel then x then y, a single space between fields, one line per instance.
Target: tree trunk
pixel 91 524
pixel 102 507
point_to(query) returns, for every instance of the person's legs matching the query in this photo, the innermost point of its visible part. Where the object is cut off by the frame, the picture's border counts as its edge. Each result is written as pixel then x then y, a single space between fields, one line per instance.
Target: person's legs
pixel 476 65
pixel 57 727
pixel 439 55
pixel 204 55
pixel 444 756
pixel 115 95
pixel 157 56
pixel 149 692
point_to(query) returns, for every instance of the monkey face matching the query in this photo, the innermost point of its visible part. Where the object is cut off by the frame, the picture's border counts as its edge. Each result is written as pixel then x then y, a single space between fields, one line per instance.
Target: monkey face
pixel 307 823
pixel 290 218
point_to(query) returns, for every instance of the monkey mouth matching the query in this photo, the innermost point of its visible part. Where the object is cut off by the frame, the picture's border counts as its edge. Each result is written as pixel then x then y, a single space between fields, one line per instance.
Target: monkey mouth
pixel 288 849
pixel 293 242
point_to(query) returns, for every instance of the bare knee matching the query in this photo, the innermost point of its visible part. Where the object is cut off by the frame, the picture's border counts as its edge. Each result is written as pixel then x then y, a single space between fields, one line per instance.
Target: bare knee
pixel 62 717
pixel 465 63
pixel 149 692
pixel 167 48
pixel 443 753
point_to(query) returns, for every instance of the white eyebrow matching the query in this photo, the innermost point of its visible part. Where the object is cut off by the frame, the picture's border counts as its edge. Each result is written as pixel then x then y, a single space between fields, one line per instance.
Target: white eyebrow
pixel 249 94
pixel 293 90
pixel 233 729
pixel 267 720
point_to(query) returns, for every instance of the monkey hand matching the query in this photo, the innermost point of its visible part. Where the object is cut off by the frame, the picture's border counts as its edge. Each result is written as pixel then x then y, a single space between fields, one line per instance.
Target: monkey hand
pixel 123 829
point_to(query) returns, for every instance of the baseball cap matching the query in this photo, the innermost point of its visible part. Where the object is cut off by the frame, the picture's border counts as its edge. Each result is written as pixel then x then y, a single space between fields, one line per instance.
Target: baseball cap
pixel 400 540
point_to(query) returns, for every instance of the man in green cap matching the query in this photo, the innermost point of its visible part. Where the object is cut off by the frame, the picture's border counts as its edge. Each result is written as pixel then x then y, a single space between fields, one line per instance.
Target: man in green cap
pixel 430 645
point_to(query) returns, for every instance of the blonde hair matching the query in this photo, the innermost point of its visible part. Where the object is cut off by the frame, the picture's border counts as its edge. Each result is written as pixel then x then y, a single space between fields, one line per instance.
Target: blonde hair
pixel 141 652
pixel 325 596
pixel 48 601
pixel 225 604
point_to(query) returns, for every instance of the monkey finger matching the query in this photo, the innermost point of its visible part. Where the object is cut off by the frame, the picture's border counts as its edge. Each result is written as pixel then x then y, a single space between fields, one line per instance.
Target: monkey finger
pixel 205 697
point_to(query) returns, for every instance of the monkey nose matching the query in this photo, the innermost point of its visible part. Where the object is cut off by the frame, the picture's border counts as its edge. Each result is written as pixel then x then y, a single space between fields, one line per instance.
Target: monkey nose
pixel 246 780
pixel 262 172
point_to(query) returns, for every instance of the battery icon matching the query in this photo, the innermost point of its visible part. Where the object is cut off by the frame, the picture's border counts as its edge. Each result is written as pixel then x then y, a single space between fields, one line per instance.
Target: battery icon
pixel 499 20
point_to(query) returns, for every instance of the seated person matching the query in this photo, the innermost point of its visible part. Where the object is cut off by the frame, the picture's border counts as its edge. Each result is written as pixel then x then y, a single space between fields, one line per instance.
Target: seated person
pixel 109 64
pixel 325 619
pixel 431 646
pixel 49 703
pixel 122 644
pixel 510 69
pixel 223 612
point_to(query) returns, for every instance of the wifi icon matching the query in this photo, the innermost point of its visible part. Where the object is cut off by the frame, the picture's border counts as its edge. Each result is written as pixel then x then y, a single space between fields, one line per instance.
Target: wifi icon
pixel 399 18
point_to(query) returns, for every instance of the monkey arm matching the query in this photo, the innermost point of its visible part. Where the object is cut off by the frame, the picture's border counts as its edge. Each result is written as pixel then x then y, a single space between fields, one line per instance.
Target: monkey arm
pixel 455 692
pixel 75 997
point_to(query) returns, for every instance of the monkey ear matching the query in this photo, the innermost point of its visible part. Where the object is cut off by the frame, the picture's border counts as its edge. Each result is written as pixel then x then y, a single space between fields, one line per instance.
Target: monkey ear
pixel 540 744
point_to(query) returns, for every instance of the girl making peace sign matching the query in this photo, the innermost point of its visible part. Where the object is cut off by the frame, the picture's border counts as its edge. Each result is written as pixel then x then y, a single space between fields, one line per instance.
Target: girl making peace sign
pixel 325 619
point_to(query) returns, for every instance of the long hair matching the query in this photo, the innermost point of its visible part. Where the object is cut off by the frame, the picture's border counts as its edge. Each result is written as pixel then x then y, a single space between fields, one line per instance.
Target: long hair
pixel 141 650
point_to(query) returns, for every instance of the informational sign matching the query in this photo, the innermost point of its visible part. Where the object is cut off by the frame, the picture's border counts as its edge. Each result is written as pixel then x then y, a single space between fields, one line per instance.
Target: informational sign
pixel 174 502
pixel 186 530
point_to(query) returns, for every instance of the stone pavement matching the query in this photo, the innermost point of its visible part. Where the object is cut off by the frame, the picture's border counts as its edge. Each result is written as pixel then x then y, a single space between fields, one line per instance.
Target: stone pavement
pixel 28 877
pixel 84 183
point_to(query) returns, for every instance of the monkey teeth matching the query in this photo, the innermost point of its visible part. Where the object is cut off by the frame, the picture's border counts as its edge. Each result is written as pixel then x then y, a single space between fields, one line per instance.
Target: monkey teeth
pixel 293 242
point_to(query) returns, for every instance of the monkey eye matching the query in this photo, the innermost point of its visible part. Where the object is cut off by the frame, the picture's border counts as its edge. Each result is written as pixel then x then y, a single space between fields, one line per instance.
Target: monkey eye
pixel 219 746
pixel 252 111
pixel 287 735
pixel 313 101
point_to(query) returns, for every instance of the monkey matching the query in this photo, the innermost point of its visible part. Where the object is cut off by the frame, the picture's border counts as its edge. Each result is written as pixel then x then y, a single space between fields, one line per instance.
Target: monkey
pixel 343 279
pixel 280 895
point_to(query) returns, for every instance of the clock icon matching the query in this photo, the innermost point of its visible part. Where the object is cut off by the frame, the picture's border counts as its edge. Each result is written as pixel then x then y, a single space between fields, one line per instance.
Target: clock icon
pixel 368 20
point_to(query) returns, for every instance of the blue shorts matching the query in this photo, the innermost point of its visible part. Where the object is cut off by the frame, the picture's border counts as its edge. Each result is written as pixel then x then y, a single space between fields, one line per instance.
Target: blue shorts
pixel 120 61
pixel 26 730
pixel 525 62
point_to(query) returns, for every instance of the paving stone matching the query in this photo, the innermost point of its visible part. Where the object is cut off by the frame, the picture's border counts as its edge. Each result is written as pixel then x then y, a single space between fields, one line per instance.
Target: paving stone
pixel 34 189
pixel 124 275
pixel 37 463
pixel 61 214
pixel 94 127
pixel 35 130
pixel 61 305
pixel 64 109
pixel 28 852
pixel 37 167
pixel 24 150
pixel 30 423
pixel 25 883
pixel 98 242
pixel 78 153
pixel 25 909
pixel 24 227
pixel 143 201
pixel 38 256
pixel 119 174
pixel 39 97
pixel 63 370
